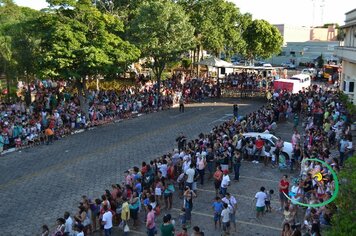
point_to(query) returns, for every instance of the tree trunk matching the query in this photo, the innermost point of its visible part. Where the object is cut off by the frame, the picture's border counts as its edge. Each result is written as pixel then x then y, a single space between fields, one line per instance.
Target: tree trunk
pixel 7 83
pixel 191 67
pixel 83 96
pixel 198 60
pixel 28 92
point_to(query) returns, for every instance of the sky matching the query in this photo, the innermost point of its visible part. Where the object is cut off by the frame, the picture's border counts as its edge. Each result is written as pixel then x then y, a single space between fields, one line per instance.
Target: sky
pixel 291 12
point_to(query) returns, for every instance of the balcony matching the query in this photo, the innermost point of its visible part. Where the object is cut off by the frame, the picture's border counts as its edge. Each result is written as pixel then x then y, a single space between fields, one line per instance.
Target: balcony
pixel 346 53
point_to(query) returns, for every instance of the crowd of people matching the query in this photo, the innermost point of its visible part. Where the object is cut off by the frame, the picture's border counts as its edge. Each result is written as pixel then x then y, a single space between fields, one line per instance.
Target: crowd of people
pixel 326 136
pixel 55 110
pixel 148 189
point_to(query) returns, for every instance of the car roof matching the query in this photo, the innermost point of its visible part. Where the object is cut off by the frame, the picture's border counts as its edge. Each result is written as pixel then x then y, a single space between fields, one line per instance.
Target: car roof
pixel 255 134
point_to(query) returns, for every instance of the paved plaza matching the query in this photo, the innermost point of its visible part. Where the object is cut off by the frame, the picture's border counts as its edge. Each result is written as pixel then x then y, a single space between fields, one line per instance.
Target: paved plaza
pixel 38 184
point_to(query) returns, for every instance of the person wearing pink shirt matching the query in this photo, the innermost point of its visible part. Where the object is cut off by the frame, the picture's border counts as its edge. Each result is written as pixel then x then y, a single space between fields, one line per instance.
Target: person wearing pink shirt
pixel 150 223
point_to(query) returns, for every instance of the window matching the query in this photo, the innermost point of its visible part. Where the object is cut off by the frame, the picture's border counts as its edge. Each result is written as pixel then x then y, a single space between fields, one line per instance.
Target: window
pixel 344 86
pixel 351 87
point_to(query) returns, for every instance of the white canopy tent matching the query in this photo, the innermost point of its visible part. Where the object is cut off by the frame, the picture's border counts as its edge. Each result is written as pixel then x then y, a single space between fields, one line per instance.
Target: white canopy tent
pixel 215 62
pixel 220 67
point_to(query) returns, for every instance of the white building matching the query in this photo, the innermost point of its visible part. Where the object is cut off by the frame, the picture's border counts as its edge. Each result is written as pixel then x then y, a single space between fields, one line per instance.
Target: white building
pixel 347 54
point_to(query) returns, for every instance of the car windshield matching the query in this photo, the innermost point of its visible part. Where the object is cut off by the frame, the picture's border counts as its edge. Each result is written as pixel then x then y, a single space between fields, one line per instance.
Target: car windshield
pixel 274 139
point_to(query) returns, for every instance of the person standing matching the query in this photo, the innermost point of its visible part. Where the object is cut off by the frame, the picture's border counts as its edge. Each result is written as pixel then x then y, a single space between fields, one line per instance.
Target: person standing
pixel 259 143
pixel 283 189
pixel 225 215
pixel 224 183
pixel 107 220
pixel 150 222
pixel 232 203
pixel 261 197
pixel 236 162
pixel 217 179
pixel 236 110
pixel 167 228
pixel 342 149
pixel 217 207
pixel 210 159
pixel 181 140
pixel 68 231
pixel 2 142
pixel 201 164
pixel 125 212
pixel 181 104
pixel 190 176
pixel 188 204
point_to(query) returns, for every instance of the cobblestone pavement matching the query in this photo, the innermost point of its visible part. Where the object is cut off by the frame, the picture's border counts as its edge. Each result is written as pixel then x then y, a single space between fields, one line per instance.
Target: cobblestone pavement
pixel 38 184
pixel 253 176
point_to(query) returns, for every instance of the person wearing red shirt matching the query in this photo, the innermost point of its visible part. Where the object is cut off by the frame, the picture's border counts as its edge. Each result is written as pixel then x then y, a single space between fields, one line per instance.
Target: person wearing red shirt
pixel 283 189
pixel 259 143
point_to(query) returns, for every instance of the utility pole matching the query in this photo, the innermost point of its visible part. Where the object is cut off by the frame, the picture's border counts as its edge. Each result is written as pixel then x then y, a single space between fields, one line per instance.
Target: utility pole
pixel 322 5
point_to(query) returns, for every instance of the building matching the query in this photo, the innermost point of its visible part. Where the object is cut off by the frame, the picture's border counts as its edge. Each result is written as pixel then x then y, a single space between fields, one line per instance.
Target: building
pixel 347 54
pixel 292 33
pixel 305 52
pixel 303 44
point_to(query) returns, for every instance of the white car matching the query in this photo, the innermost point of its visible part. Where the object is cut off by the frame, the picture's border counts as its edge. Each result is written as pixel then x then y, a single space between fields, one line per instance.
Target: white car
pixel 287 149
pixel 309 71
pixel 288 65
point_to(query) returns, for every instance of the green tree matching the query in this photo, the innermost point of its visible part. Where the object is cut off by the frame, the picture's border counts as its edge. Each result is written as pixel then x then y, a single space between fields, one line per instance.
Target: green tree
pixel 162 31
pixel 17 41
pixel 343 222
pixel 218 25
pixel 262 40
pixel 79 42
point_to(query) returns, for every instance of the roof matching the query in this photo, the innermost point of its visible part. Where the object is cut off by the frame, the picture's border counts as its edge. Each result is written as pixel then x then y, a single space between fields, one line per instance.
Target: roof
pixel 255 134
pixel 350 11
pixel 215 62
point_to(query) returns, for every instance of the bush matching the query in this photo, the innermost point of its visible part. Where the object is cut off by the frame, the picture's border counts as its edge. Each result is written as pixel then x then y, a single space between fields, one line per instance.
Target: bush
pixel 344 220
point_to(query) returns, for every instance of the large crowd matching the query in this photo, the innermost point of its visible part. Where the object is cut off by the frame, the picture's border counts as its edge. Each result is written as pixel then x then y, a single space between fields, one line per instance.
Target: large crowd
pixel 55 110
pixel 150 188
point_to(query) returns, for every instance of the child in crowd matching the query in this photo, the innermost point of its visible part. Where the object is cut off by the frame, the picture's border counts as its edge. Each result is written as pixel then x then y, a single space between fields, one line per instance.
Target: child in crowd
pixel 217 207
pixel 273 160
pixel 182 217
pixel 268 201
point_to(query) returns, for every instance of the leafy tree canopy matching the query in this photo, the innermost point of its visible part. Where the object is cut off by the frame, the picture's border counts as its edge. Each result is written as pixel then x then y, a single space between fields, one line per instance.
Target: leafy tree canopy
pixel 78 41
pixel 218 24
pixel 162 31
pixel 262 39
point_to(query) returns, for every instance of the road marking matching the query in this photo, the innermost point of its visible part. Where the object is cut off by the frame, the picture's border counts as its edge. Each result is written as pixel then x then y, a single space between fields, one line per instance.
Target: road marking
pixel 138 232
pixel 254 178
pixel 238 221
pixel 233 194
pixel 224 118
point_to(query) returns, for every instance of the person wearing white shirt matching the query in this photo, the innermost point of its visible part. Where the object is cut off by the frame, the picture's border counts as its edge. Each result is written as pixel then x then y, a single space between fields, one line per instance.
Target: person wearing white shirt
pixel 107 221
pixel 68 230
pixel 225 218
pixel 224 183
pixel 261 197
pixel 232 203
pixel 190 176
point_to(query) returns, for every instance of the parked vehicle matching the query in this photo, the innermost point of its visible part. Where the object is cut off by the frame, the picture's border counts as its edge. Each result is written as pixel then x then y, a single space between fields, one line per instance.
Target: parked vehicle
pixel 310 71
pixel 288 65
pixel 294 84
pixel 271 139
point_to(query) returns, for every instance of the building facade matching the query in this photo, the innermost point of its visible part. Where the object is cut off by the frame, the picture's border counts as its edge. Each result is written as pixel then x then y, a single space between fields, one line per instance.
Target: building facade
pixel 303 44
pixel 347 53
pixel 306 52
